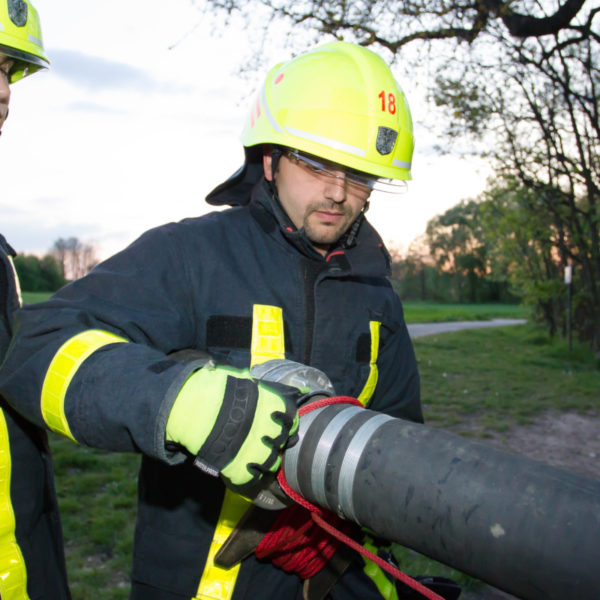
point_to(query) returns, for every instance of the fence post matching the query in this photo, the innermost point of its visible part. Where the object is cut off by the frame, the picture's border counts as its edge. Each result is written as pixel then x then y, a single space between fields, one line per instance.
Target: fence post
pixel 568 282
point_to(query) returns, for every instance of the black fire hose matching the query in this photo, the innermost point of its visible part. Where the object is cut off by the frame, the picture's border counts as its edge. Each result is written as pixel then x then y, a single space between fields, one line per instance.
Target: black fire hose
pixel 525 527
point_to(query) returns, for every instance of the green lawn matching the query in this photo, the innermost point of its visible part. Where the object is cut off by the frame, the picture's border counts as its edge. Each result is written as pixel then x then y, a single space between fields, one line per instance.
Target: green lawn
pixel 432 312
pixel 97 497
pixel 32 297
pixel 504 375
pixel 490 377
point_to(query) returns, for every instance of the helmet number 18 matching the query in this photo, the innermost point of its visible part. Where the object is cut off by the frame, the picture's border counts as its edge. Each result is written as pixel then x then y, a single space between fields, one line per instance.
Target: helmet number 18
pixel 391 102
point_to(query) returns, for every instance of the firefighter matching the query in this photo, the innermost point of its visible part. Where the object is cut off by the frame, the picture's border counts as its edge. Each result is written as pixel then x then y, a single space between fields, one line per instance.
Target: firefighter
pixel 32 563
pixel 151 351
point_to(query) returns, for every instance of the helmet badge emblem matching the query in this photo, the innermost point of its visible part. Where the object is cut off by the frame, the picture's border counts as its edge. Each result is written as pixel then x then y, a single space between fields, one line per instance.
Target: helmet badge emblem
pixel 386 139
pixel 17 11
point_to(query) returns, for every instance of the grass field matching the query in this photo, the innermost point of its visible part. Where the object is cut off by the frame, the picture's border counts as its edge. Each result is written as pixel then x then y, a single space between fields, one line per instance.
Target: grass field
pixel 431 312
pixel 33 297
pixel 490 378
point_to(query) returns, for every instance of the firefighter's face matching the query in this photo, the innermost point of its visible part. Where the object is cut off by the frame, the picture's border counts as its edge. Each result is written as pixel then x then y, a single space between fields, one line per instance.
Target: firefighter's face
pixel 323 202
pixel 6 64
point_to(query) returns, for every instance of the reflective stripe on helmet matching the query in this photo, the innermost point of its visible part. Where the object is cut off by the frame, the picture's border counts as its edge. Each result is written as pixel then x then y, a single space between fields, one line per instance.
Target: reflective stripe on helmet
pixel 62 369
pixel 333 144
pixel 272 120
pixel 401 163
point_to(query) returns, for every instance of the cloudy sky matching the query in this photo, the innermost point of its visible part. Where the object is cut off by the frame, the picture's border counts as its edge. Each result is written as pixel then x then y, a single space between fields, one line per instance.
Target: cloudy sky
pixel 139 118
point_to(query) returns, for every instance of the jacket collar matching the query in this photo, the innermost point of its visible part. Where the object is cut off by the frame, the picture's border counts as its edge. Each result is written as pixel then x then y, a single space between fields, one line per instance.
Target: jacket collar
pixel 365 256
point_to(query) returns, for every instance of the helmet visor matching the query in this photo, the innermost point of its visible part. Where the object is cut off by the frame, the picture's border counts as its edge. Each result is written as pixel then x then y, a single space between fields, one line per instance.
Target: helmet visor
pixel 25 63
pixel 358 180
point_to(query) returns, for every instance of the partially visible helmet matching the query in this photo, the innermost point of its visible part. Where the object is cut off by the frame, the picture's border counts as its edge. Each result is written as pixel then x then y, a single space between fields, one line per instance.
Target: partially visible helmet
pixel 339 102
pixel 21 38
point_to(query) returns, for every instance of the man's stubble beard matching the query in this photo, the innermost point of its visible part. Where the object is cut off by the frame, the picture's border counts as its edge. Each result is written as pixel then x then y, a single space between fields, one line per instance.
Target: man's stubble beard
pixel 323 233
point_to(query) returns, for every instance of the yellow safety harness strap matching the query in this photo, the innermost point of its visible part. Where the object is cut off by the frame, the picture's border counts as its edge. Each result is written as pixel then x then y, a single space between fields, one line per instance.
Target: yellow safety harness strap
pixel 267 343
pixel 369 389
pixel 218 583
pixel 267 334
pixel 13 573
pixel 62 369
pixel 385 587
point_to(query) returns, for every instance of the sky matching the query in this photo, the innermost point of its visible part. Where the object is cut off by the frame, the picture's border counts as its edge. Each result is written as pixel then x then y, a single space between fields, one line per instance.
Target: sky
pixel 139 117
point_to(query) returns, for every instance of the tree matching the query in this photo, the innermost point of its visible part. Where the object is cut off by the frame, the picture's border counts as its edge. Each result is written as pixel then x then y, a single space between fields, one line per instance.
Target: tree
pixel 395 24
pixel 413 272
pixel 29 272
pixel 52 277
pixel 535 112
pixel 75 258
pixel 39 275
pixel 520 240
pixel 523 238
pixel 456 244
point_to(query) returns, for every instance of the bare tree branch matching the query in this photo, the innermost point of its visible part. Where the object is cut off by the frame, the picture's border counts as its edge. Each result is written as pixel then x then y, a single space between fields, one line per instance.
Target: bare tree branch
pixel 523 26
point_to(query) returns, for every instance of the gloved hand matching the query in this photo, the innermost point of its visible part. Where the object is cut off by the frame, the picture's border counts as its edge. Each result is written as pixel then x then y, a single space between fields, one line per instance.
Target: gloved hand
pixel 235 425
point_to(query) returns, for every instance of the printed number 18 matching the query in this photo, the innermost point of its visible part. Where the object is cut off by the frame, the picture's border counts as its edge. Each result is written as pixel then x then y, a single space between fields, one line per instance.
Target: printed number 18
pixel 391 102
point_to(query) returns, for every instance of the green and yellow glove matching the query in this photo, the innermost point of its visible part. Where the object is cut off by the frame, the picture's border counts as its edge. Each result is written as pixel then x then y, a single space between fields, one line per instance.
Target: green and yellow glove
pixel 235 425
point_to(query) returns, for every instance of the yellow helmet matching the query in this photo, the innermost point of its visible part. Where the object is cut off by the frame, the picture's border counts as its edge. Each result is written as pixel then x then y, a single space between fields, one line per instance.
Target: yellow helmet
pixel 21 38
pixel 339 102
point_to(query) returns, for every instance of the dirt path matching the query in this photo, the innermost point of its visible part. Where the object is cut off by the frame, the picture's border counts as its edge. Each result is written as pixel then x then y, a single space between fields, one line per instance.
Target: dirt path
pixel 422 329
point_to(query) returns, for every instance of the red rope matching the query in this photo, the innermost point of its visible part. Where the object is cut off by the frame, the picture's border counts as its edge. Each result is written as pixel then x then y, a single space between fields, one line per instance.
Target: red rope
pixel 297 543
pixel 305 536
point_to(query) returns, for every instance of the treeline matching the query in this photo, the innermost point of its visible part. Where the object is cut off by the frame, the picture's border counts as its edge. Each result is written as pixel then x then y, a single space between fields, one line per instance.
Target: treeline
pixel 510 245
pixel 452 262
pixel 68 259
pixel 39 274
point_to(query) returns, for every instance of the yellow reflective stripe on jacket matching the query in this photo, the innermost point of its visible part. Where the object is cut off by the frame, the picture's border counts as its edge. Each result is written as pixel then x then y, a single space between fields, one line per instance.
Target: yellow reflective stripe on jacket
pixel 369 388
pixel 63 367
pixel 377 575
pixel 267 343
pixel 267 334
pixel 13 573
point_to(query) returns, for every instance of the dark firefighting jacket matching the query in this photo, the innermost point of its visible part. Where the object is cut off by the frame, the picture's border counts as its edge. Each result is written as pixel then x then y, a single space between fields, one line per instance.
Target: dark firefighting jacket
pixel 32 564
pixel 97 354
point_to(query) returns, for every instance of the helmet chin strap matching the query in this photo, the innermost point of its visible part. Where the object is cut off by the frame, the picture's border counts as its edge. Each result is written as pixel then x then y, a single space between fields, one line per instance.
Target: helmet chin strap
pixel 276 154
pixel 354 228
